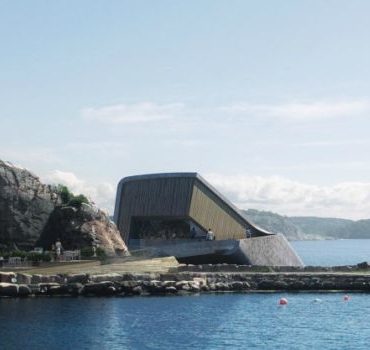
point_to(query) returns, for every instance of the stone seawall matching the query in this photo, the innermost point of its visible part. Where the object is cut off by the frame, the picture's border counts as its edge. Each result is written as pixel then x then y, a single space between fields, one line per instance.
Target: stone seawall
pixel 181 282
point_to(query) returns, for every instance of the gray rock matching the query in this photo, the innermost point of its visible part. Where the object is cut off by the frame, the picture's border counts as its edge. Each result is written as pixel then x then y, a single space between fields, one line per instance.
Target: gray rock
pixel 128 286
pixel 45 288
pixel 220 286
pixel 31 215
pixel 114 277
pixel 7 277
pixel 105 288
pixel 77 278
pixel 24 278
pixel 74 288
pixel 36 279
pixel 170 290
pixel 182 285
pixel 137 290
pixel 169 284
pixel 25 206
pixel 79 228
pixel 8 289
pixel 237 285
pixel 24 290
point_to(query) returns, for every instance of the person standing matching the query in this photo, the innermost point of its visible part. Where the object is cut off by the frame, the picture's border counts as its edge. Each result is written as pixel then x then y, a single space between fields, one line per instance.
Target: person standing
pixel 210 235
pixel 58 249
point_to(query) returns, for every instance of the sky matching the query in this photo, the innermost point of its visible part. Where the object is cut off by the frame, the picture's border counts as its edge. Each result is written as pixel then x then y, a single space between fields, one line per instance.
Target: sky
pixel 268 100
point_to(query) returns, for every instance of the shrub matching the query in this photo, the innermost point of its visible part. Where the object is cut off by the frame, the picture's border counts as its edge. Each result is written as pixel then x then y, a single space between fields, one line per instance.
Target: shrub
pixel 36 257
pixel 88 252
pixel 31 256
pixel 65 194
pixel 69 199
pixel 100 253
pixel 77 201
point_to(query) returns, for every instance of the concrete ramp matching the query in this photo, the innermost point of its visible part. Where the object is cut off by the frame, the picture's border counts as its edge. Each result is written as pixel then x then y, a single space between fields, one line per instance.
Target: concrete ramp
pixel 274 250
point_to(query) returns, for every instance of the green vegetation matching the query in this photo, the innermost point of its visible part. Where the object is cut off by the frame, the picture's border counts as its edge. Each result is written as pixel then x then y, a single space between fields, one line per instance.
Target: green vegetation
pixel 88 252
pixel 69 199
pixel 29 256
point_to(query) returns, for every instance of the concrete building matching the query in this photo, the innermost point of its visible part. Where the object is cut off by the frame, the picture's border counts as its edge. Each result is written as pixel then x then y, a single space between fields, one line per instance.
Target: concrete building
pixel 170 214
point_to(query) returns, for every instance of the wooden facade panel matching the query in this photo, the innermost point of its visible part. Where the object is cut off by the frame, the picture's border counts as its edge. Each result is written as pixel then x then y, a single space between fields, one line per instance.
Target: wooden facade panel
pixel 179 196
pixel 209 212
pixel 154 197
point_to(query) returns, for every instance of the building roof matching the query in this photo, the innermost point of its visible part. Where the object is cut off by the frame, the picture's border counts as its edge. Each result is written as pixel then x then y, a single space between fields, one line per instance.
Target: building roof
pixel 193 175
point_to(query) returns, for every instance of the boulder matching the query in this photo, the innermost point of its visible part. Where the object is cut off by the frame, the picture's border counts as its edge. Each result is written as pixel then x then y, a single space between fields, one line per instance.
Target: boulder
pixel 24 278
pixel 8 277
pixel 105 288
pixel 182 285
pixel 74 289
pixel 8 289
pixel 138 290
pixel 24 290
pixel 36 279
pixel 82 227
pixel 46 288
pixel 77 278
pixel 170 290
pixel 114 277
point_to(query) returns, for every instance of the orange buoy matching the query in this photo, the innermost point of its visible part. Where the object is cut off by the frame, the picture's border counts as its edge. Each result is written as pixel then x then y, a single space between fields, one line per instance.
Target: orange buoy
pixel 346 298
pixel 283 301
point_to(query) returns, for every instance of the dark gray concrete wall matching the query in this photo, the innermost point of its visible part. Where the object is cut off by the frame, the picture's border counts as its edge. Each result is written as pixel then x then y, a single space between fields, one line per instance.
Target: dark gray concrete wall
pixel 274 250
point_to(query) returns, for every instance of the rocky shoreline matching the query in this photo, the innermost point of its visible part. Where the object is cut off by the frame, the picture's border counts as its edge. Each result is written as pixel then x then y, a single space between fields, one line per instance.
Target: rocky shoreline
pixel 189 279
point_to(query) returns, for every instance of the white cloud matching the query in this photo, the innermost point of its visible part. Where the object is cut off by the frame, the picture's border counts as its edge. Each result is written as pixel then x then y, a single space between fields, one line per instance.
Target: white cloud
pixel 132 113
pixel 302 111
pixel 277 194
pixel 101 194
pixel 284 196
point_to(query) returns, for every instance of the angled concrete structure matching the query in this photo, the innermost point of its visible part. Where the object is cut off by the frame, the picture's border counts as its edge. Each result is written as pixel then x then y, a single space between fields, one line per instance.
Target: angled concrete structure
pixel 169 214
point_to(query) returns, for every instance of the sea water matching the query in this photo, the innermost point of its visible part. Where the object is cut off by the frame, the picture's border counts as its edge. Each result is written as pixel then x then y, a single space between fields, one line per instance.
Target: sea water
pixel 208 321
pixel 333 252
pixel 223 321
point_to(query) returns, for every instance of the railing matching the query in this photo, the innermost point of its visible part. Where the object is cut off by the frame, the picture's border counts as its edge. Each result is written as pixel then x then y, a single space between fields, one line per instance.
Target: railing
pixel 18 262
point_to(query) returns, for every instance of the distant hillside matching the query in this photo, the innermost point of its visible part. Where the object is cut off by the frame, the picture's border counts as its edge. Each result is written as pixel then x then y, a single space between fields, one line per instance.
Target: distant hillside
pixel 274 223
pixel 298 228
pixel 327 227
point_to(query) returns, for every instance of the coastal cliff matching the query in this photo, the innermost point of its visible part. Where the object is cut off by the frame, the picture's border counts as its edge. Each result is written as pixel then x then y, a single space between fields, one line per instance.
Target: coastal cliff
pixel 33 214
pixel 25 207
pixel 81 227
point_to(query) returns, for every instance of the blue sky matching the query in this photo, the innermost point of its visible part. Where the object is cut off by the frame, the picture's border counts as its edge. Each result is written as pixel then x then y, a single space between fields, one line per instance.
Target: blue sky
pixel 267 100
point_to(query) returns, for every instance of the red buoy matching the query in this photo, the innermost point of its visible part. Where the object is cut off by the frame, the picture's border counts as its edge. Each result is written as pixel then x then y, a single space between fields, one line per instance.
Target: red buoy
pixel 283 301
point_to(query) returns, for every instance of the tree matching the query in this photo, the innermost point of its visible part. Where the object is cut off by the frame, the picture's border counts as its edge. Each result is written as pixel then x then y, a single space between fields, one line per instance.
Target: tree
pixel 65 194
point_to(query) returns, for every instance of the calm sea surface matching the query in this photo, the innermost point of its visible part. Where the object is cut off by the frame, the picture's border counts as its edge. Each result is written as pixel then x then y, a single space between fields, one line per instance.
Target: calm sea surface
pixel 335 252
pixel 224 321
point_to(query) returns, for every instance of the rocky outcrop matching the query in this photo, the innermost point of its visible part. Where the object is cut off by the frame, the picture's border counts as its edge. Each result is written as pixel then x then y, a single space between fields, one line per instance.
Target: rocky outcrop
pixel 31 213
pixel 25 206
pixel 82 227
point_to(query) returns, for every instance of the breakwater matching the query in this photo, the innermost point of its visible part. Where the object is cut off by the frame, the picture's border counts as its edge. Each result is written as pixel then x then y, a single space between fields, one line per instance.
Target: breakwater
pixel 189 279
